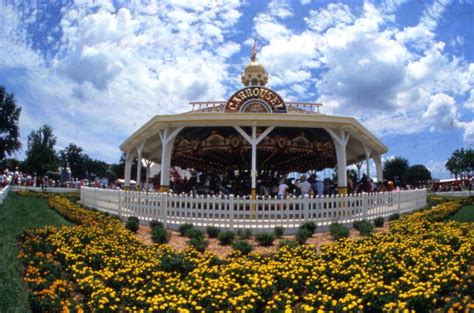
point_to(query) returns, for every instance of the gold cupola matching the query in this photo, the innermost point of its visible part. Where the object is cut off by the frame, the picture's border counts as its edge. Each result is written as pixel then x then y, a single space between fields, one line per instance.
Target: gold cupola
pixel 254 73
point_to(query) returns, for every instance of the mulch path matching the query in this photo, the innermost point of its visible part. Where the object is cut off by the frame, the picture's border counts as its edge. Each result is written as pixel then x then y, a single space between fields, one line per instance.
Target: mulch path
pixel 179 242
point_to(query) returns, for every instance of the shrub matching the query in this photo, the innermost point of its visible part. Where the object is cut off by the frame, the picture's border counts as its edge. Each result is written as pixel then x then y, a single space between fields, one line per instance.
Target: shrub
pixel 394 217
pixel 364 227
pixel 302 235
pixel 244 233
pixel 132 224
pixel 155 223
pixel 176 263
pixel 243 246
pixel 378 222
pixel 265 239
pixel 226 237
pixel 288 243
pixel 198 243
pixel 194 233
pixel 213 231
pixel 183 228
pixel 159 235
pixel 309 226
pixel 338 231
pixel 278 231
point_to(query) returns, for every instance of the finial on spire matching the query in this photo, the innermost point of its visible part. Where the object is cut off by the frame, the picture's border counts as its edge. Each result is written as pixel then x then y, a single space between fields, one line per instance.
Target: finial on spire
pixel 253 57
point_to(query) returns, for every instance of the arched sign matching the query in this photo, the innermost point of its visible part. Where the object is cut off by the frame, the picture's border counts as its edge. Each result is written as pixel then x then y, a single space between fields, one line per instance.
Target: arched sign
pixel 255 99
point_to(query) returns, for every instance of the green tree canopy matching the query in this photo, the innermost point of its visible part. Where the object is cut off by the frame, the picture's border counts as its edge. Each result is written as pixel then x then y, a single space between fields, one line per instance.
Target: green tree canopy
pixel 9 130
pixel 461 162
pixel 395 170
pixel 417 175
pixel 74 157
pixel 40 155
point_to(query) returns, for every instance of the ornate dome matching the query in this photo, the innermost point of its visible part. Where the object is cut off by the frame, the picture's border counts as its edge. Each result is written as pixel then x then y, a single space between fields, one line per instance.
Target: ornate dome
pixel 254 73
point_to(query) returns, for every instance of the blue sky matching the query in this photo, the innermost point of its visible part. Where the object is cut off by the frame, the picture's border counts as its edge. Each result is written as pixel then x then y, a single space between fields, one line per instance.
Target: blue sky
pixel 98 70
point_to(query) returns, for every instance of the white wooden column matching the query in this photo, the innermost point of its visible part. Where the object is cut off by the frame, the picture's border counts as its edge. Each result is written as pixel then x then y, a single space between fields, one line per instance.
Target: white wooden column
pixel 147 180
pixel 378 167
pixel 139 164
pixel 128 168
pixel 167 136
pixel 340 138
pixel 367 151
pixel 254 141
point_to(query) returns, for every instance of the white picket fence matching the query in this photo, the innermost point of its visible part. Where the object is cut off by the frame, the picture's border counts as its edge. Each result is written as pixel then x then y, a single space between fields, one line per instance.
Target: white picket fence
pixel 261 214
pixel 3 193
pixel 457 194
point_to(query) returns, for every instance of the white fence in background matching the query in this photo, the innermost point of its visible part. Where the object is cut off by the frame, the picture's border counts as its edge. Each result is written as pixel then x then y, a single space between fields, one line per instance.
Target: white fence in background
pixel 263 214
pixel 46 189
pixel 464 193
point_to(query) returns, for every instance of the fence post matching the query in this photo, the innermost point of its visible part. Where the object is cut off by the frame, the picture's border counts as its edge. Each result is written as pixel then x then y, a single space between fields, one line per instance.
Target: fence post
pixel 119 204
pixel 164 208
pixel 306 207
pixel 365 205
pixel 399 202
pixel 231 211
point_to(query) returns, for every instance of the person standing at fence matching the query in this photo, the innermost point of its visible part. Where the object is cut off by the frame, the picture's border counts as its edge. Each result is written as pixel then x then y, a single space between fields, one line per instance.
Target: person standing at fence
pixel 304 186
pixel 282 189
pixel 318 187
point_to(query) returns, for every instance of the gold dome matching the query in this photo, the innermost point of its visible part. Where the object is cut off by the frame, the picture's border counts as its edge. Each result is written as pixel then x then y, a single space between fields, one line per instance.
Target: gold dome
pixel 254 73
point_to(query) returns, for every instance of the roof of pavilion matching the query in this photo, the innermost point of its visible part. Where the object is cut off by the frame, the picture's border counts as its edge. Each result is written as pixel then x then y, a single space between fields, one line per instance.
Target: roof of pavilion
pixel 214 117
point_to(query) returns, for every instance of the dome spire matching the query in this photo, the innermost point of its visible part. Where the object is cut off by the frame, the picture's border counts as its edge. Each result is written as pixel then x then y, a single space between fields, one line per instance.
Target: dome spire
pixel 254 73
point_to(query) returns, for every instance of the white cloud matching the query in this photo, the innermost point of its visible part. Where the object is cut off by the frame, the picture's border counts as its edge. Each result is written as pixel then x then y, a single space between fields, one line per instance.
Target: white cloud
pixel 441 112
pixel 334 14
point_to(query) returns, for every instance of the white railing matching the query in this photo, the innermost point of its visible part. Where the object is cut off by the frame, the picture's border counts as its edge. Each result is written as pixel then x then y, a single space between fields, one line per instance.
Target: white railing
pixel 261 214
pixel 3 193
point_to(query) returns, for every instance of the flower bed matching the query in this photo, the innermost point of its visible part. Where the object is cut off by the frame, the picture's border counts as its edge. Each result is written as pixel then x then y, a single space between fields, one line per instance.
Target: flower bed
pixel 421 264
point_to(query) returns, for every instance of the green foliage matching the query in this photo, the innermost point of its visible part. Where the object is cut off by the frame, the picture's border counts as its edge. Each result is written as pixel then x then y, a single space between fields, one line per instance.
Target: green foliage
pixel 176 262
pixel 40 154
pixel 279 231
pixel 155 223
pixel 309 226
pixel 159 235
pixel 243 246
pixel 417 175
pixel 226 237
pixel 132 224
pixel 364 227
pixel 395 170
pixel 213 231
pixel 183 228
pixel 194 233
pixel 9 119
pixel 302 235
pixel 394 217
pixel 244 233
pixel 379 221
pixel 289 243
pixel 265 239
pixel 198 243
pixel 338 231
pixel 465 214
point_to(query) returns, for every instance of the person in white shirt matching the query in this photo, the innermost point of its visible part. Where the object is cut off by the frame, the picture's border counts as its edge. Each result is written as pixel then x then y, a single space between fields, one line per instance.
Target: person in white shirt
pixel 304 186
pixel 282 189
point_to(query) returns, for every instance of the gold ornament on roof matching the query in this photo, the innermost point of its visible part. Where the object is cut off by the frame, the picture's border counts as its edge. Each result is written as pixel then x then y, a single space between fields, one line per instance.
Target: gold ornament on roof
pixel 254 73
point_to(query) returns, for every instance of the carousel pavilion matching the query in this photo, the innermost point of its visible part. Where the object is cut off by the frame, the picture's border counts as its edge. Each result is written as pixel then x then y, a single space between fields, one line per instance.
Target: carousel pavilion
pixel 255 131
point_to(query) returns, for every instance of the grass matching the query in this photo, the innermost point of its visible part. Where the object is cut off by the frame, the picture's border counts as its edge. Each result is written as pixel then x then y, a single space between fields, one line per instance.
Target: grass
pixel 465 214
pixel 17 213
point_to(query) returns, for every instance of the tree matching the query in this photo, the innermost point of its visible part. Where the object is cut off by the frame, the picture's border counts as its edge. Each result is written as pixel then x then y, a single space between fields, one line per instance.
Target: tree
pixel 417 175
pixel 9 131
pixel 461 163
pixel 40 155
pixel 73 157
pixel 395 170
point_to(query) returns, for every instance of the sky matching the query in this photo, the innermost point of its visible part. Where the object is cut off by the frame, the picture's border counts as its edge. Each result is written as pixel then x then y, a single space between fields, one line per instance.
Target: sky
pixel 98 70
